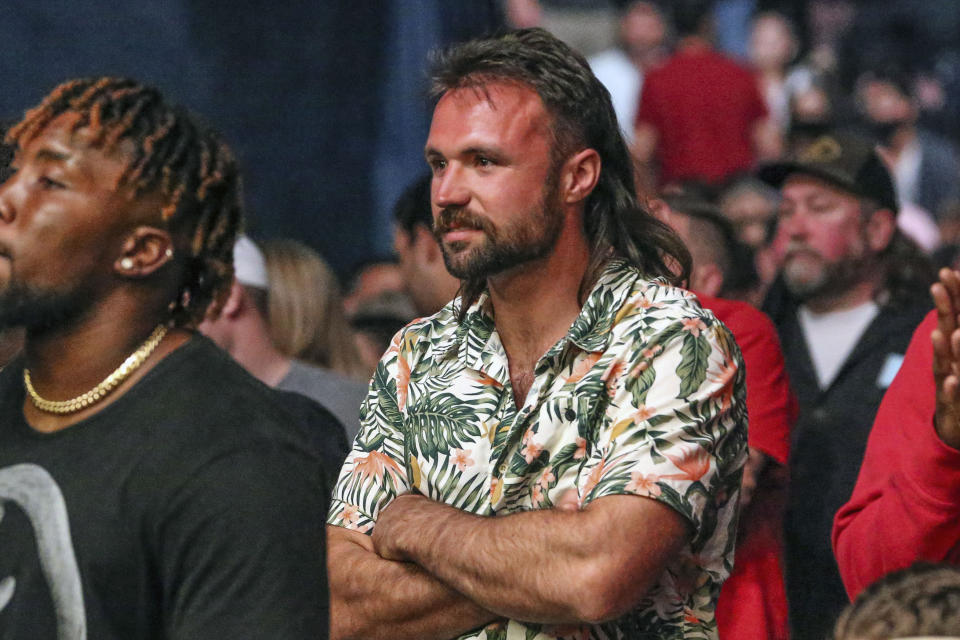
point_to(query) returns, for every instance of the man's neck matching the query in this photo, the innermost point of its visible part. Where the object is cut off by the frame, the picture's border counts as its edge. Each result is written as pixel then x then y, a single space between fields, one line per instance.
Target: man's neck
pixel 694 44
pixel 67 362
pixel 257 354
pixel 903 138
pixel 535 304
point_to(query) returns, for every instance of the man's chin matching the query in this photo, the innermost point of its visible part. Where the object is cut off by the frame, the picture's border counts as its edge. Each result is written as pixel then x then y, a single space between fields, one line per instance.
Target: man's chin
pixel 39 311
pixel 804 285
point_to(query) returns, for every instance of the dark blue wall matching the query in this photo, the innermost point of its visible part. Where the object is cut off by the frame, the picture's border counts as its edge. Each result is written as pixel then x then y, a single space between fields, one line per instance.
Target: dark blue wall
pixel 298 88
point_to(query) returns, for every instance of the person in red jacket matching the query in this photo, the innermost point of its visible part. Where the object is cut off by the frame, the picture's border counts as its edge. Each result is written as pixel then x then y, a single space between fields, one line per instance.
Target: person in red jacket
pixel 753 601
pixel 906 503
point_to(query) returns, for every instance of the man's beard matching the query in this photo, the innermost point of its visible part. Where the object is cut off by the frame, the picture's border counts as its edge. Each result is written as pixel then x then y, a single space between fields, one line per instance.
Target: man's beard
pixel 40 310
pixel 834 278
pixel 525 239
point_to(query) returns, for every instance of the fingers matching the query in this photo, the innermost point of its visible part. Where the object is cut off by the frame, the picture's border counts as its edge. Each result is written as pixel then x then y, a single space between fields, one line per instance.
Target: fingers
pixel 569 501
pixel 941 352
pixel 946 297
pixel 949 389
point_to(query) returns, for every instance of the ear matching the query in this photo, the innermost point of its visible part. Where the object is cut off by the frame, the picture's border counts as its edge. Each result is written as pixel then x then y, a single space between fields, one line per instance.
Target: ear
pixel 579 176
pixel 144 252
pixel 661 211
pixel 707 279
pixel 235 301
pixel 880 229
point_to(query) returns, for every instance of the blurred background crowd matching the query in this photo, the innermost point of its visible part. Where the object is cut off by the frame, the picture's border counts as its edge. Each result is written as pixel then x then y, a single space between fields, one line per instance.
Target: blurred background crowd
pixel 326 104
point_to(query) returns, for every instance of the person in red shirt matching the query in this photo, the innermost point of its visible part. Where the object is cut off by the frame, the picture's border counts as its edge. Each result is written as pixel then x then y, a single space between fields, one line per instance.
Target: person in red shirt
pixel 906 503
pixel 753 602
pixel 701 114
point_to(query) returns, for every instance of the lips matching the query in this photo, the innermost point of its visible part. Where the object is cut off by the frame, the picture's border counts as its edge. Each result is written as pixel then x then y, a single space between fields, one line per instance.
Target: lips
pixel 457 224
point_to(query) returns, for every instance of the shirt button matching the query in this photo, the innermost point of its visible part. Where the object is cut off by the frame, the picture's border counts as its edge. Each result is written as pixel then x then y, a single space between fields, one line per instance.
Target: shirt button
pixel 570 415
pixel 503 468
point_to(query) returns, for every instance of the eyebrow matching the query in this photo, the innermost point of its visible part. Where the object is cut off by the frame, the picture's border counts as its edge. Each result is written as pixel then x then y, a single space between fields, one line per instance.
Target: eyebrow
pixel 49 154
pixel 430 152
pixel 44 154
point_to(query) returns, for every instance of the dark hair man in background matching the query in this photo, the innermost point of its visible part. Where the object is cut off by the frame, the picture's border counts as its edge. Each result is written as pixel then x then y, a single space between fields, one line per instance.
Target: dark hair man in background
pixel 572 392
pixel 150 487
pixel 426 278
pixel 920 602
pixel 856 289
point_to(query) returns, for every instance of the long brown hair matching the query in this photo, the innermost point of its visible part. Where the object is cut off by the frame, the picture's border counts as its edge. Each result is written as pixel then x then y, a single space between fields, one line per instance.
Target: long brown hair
pixel 614 222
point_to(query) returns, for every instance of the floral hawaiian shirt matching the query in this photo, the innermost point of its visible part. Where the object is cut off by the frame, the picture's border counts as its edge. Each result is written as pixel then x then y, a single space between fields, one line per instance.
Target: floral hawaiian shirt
pixel 644 395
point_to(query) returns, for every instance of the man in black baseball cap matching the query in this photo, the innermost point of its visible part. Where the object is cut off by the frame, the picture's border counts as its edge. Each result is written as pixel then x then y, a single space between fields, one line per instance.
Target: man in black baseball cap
pixel 855 290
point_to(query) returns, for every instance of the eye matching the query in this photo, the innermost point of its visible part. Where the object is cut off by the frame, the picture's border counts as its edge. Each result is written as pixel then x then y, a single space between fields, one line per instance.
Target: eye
pixel 49 183
pixel 437 164
pixel 483 161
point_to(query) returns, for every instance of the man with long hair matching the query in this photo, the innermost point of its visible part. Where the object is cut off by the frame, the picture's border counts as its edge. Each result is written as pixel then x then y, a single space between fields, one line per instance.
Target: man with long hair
pixel 149 487
pixel 572 390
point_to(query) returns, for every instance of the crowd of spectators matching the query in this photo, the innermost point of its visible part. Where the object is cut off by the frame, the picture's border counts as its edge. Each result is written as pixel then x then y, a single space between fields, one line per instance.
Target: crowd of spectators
pixel 808 155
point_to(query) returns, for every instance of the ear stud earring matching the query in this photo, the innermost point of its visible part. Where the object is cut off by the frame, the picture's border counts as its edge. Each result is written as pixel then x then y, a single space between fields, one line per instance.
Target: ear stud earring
pixel 168 252
pixel 126 264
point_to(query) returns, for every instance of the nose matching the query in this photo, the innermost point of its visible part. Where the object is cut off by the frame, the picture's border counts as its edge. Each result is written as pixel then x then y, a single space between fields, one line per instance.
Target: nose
pixel 449 189
pixel 794 225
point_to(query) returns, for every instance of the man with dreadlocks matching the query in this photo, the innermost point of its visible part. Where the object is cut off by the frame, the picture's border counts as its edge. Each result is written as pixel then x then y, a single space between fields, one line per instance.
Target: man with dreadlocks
pixel 149 488
pixel 572 391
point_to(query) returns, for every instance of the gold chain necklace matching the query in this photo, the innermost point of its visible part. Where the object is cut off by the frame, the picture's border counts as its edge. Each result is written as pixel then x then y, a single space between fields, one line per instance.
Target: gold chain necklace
pixel 99 392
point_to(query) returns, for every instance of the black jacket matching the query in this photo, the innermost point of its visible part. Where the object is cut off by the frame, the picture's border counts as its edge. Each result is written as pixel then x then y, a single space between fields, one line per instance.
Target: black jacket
pixel 827 447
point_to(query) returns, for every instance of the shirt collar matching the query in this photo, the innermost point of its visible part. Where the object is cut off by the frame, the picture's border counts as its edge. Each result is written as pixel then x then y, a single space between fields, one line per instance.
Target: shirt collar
pixel 590 331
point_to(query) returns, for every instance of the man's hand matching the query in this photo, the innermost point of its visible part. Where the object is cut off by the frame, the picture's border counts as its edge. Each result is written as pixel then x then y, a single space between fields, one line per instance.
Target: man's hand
pixel 946 356
pixel 395 521
pixel 399 519
pixel 756 463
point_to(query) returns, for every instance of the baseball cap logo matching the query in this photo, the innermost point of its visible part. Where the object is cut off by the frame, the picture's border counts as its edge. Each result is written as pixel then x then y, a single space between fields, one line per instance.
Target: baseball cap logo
pixel 823 149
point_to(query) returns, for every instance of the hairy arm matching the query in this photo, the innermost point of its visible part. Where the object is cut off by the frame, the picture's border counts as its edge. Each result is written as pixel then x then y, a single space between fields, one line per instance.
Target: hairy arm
pixel 371 597
pixel 552 566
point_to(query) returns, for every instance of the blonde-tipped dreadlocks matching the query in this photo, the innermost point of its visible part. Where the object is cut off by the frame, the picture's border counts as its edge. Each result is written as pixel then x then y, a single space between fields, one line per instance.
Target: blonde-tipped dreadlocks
pixel 173 155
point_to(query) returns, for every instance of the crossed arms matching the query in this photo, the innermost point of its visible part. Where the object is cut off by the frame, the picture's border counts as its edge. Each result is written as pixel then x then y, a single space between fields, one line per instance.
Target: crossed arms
pixel 433 571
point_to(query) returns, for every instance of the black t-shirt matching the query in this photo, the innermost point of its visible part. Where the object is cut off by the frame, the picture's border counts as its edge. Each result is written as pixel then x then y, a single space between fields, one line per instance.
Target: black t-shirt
pixel 192 507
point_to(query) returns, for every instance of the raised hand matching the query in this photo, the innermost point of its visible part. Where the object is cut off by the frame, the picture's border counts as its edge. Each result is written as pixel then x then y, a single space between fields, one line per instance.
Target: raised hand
pixel 946 356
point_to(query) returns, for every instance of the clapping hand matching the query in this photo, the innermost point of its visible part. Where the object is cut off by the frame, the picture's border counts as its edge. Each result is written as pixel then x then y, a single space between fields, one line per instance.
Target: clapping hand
pixel 946 356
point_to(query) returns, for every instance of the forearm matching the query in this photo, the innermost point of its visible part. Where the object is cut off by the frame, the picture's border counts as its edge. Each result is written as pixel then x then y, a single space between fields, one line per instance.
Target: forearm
pixel 374 598
pixel 891 531
pixel 902 511
pixel 547 566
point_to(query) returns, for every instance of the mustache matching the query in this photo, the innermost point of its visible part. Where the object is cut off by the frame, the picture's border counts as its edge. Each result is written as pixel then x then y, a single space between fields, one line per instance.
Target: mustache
pixel 452 218
pixel 794 248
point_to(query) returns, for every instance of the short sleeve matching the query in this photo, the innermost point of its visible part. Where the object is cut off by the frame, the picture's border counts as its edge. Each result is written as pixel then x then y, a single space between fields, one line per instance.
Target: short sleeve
pixel 675 427
pixel 374 472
